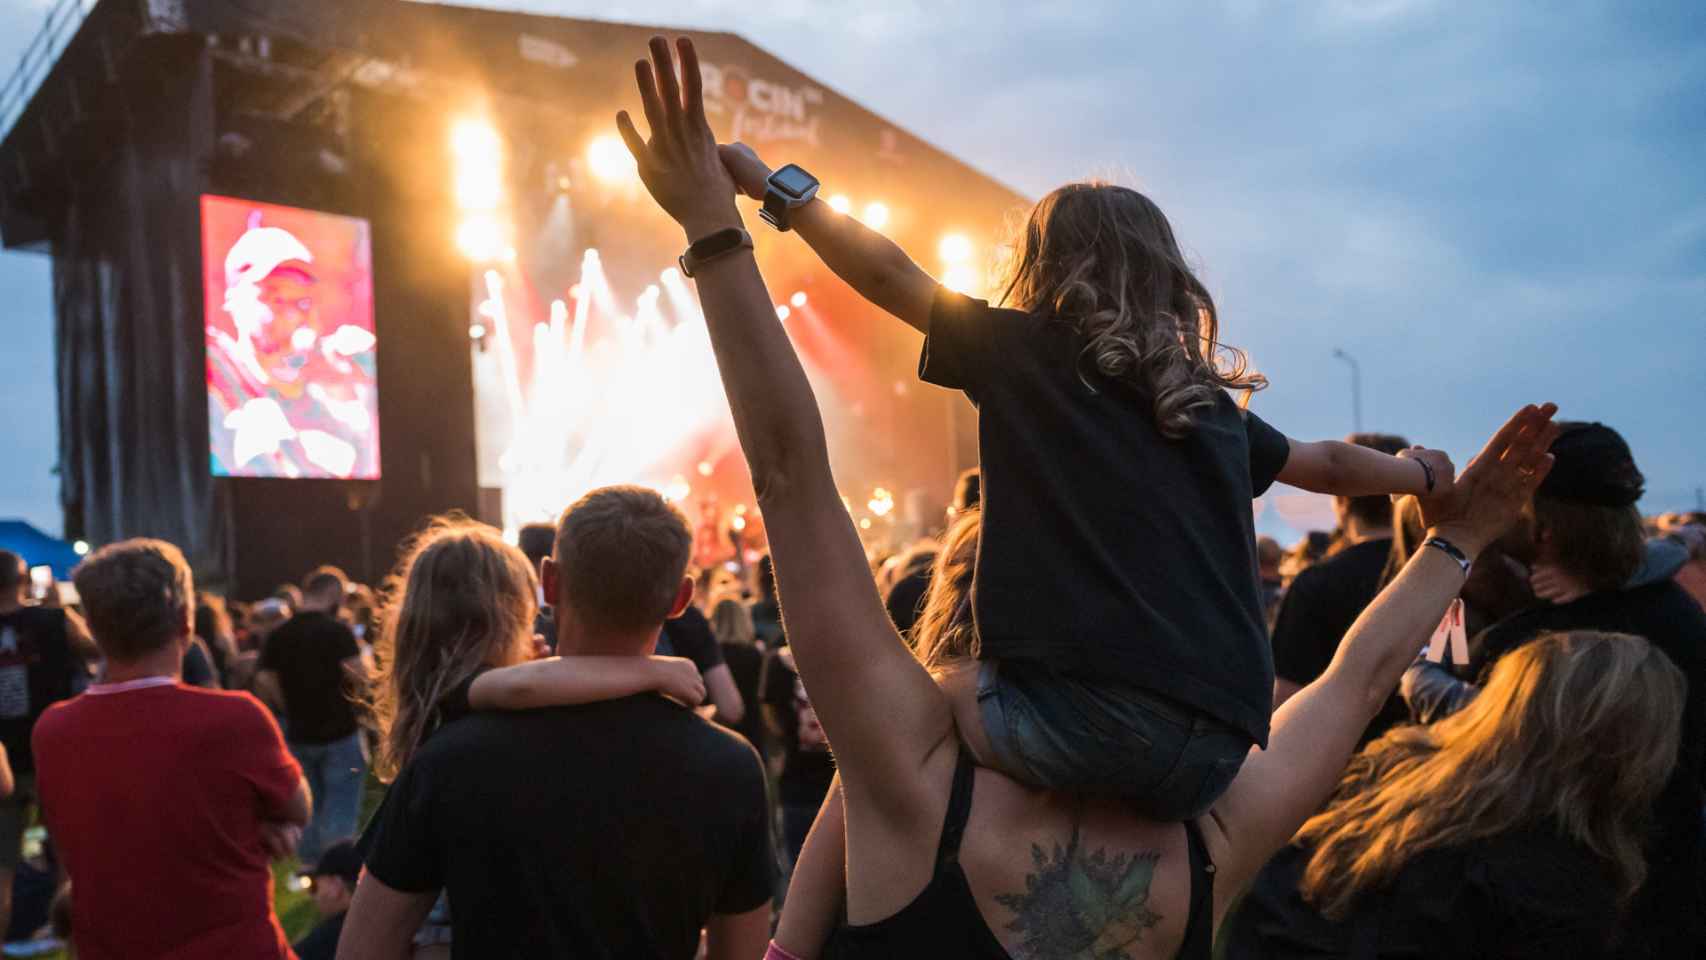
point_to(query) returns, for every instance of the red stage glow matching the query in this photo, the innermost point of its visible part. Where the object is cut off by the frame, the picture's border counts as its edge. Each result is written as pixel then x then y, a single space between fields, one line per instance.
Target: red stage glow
pixel 290 342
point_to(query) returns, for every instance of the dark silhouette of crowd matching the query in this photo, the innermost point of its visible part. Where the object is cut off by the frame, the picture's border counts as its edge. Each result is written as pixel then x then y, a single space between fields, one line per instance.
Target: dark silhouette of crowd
pixel 1090 713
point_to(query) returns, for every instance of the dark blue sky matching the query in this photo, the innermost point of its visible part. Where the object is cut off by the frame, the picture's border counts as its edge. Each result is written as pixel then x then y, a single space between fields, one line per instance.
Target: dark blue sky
pixel 1485 203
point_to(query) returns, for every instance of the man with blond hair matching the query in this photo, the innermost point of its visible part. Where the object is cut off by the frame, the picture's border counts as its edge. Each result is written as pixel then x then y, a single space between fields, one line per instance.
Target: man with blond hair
pixel 167 802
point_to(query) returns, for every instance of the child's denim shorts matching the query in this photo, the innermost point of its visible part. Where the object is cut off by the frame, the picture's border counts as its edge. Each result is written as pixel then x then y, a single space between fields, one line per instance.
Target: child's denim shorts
pixel 1170 761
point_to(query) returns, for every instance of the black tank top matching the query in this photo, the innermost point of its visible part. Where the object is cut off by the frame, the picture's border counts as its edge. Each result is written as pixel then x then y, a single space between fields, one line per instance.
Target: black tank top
pixel 943 922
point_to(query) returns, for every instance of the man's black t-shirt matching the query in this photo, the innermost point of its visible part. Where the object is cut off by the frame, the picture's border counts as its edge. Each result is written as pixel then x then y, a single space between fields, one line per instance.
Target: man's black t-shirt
pixel 1109 551
pixel 1528 893
pixel 608 830
pixel 807 765
pixel 690 635
pixel 321 943
pixel 37 670
pixel 1667 914
pixel 1318 610
pixel 308 653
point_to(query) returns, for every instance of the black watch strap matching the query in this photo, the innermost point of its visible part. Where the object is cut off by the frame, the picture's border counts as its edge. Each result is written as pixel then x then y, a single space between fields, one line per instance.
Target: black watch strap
pixel 775 209
pixel 710 247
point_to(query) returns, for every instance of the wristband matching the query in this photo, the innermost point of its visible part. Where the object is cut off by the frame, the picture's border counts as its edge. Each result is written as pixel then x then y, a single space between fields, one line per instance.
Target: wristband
pixel 1449 549
pixel 775 952
pixel 1428 473
pixel 719 244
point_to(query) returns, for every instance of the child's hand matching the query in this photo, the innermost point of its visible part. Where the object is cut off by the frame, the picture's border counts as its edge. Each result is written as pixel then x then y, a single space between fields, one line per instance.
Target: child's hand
pixel 678 679
pixel 1551 584
pixel 1438 468
pixel 751 175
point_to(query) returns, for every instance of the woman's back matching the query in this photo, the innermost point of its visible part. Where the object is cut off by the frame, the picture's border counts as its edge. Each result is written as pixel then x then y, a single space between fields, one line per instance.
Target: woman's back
pixel 1529 892
pixel 1021 872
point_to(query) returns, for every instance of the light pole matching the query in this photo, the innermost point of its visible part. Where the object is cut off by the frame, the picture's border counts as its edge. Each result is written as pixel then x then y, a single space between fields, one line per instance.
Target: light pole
pixel 1356 387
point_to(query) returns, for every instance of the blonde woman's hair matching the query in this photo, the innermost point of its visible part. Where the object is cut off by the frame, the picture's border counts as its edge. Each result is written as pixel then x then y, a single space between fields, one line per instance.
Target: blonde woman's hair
pixel 944 632
pixel 1575 731
pixel 459 599
pixel 1103 259
pixel 732 622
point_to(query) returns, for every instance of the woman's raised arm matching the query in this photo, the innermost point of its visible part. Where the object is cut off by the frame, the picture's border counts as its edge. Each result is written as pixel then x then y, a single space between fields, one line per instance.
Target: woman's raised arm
pixel 1316 730
pixel 883 714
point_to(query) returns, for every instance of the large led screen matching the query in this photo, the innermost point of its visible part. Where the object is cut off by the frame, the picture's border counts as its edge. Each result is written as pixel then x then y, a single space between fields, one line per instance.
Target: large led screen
pixel 290 344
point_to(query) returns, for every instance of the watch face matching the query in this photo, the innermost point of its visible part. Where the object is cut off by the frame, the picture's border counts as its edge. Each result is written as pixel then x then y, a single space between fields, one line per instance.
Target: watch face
pixel 793 180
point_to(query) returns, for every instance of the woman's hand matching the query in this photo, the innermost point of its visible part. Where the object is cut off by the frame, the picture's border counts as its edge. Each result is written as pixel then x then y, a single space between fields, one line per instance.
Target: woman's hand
pixel 678 678
pixel 1497 484
pixel 679 164
pixel 751 174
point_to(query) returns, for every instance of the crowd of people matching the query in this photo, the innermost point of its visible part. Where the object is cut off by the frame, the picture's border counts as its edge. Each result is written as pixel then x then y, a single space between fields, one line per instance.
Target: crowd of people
pixel 1095 716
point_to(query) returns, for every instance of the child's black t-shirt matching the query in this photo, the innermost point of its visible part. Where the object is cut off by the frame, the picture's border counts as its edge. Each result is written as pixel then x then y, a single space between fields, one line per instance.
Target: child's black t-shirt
pixel 1108 551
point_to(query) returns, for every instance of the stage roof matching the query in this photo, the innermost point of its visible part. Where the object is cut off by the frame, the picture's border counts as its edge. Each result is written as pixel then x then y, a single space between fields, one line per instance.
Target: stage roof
pixel 296 56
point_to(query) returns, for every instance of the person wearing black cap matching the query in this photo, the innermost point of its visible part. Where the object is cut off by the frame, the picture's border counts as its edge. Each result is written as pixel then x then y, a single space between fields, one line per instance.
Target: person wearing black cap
pixel 1583 523
pixel 334 879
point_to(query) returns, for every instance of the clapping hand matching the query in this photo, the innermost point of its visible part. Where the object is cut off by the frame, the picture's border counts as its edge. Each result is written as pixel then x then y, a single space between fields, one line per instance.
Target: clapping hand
pixel 1489 497
pixel 679 164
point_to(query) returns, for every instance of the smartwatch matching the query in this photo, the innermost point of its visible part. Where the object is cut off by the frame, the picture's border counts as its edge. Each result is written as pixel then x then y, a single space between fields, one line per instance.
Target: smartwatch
pixel 786 189
pixel 708 248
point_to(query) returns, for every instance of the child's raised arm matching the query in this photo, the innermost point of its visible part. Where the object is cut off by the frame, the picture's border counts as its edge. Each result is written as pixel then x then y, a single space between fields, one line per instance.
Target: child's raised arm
pixel 872 264
pixel 1347 470
pixel 566 681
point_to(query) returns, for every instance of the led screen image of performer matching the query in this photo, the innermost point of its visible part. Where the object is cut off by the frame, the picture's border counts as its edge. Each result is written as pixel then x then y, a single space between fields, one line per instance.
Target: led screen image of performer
pixel 291 390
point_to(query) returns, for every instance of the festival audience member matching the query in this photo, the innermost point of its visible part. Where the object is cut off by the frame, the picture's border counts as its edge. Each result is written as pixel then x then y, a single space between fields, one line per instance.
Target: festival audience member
pixel 312 671
pixel 289 594
pixel 619 828
pixel 1583 522
pixel 807 766
pixel 1269 554
pixel 1324 600
pixel 213 628
pixel 766 615
pixel 165 801
pixel 1305 553
pixel 905 597
pixel 738 640
pixel 1502 831
pixel 536 540
pixel 263 618
pixel 44 653
pixel 930 840
pixel 333 881
pixel 688 634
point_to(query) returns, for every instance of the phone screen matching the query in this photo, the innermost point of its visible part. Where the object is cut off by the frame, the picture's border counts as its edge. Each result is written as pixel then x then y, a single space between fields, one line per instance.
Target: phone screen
pixel 41 581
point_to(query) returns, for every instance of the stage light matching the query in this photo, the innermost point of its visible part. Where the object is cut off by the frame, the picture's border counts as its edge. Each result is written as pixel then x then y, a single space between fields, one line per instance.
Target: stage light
pixel 865 523
pixel 478 187
pixel 962 278
pixel 609 160
pixel 782 312
pixel 481 238
pixel 669 275
pixel 677 489
pixel 876 215
pixel 798 299
pixel 881 502
pixel 840 204
pixel 80 548
pixel 474 140
pixel 738 523
pixel 476 331
pixel 954 248
pixel 705 468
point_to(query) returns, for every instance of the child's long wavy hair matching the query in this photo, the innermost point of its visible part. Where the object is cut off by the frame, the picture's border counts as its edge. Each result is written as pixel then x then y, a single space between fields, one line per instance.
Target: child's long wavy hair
pixel 459 599
pixel 1103 259
pixel 1573 731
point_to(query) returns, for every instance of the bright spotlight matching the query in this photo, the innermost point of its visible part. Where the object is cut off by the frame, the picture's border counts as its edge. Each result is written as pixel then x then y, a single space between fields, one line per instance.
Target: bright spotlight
pixel 876 215
pixel 478 187
pixel 481 238
pixel 609 160
pixel 677 489
pixel 954 248
pixel 81 548
pixel 840 204
pixel 473 140
pixel 476 331
pixel 782 312
pixel 705 468
pixel 798 299
pixel 670 275
pixel 738 523
pixel 962 278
